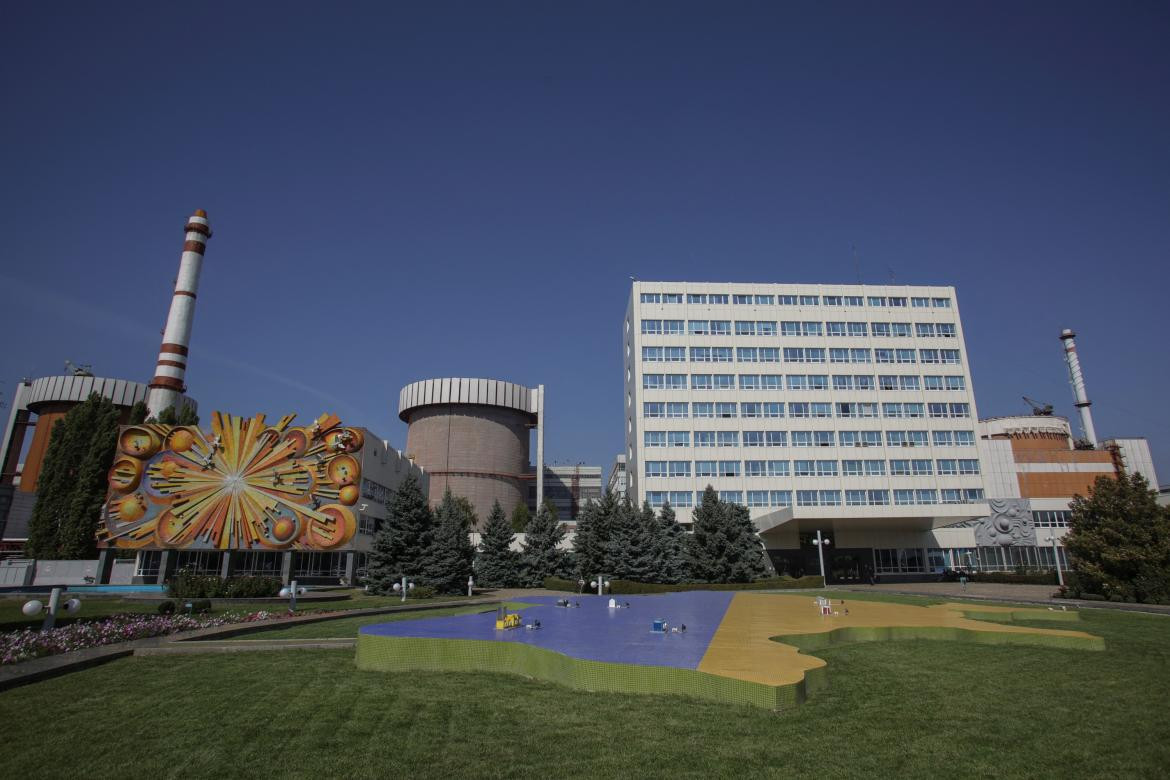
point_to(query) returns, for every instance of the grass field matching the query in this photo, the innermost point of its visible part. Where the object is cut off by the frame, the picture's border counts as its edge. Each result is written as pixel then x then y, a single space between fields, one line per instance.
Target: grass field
pixel 901 709
pixel 348 627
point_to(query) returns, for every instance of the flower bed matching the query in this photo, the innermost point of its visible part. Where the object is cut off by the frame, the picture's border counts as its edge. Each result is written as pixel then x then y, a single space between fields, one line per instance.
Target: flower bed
pixel 17 646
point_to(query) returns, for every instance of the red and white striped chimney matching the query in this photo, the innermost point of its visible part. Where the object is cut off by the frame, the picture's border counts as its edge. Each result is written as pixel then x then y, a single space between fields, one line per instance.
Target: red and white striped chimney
pixel 167 387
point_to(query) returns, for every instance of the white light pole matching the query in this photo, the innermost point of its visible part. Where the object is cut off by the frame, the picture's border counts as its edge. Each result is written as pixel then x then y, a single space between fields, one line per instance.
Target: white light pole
pixel 821 542
pixel 601 583
pixel 1056 559
pixel 470 586
pixel 403 587
pixel 291 593
pixel 35 607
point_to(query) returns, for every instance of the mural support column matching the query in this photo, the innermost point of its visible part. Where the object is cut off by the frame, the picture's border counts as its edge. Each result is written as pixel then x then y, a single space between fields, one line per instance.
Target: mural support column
pixel 351 569
pixel 228 565
pixel 105 563
pixel 286 567
pixel 166 566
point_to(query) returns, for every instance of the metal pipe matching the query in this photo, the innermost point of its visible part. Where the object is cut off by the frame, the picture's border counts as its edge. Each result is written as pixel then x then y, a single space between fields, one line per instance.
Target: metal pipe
pixel 1077 380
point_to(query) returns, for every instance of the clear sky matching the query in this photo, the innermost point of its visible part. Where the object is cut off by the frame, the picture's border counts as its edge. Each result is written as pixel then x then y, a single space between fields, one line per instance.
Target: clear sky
pixel 404 191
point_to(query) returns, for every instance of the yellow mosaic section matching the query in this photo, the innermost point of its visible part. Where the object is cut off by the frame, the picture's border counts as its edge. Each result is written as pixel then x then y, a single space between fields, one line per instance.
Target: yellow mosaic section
pixel 742 647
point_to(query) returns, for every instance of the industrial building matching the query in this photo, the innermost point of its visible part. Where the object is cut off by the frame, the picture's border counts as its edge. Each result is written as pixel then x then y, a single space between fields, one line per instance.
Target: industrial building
pixel 472 437
pixel 569 489
pixel 846 410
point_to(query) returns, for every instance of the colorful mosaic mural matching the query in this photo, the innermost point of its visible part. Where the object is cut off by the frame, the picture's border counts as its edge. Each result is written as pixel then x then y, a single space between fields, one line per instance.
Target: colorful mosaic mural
pixel 242 485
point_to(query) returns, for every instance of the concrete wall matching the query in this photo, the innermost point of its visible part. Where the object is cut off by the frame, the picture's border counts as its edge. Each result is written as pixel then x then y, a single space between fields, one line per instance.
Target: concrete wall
pixel 65 572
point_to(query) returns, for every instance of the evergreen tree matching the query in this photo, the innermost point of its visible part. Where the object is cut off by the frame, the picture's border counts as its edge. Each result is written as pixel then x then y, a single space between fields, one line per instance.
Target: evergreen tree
pixel 1119 540
pixel 591 543
pixel 724 546
pixel 447 562
pixel 72 485
pixel 403 538
pixel 520 518
pixel 172 415
pixel 672 547
pixel 541 557
pixel 632 544
pixel 187 416
pixel 497 565
pixel 138 413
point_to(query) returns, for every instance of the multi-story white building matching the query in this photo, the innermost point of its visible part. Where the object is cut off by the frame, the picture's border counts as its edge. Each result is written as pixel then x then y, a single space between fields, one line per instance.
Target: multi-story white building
pixel 846 409
pixel 617 476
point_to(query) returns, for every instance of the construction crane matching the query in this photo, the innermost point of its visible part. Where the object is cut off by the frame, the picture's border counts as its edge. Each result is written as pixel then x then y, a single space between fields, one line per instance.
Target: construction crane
pixel 1039 409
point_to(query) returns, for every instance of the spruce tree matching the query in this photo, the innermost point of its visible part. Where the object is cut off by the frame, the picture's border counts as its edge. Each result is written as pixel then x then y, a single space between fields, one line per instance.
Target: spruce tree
pixel 520 518
pixel 634 551
pixel 72 485
pixel 447 562
pixel 672 547
pixel 541 557
pixel 138 413
pixel 591 543
pixel 724 546
pixel 497 565
pixel 403 538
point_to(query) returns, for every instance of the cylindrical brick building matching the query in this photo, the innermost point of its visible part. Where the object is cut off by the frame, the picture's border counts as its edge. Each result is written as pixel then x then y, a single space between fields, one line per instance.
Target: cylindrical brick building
pixel 471 436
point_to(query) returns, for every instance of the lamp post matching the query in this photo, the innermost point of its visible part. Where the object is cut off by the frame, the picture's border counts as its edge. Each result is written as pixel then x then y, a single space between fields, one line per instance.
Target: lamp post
pixel 601 583
pixel 820 543
pixel 291 593
pixel 1056 559
pixel 403 587
pixel 35 607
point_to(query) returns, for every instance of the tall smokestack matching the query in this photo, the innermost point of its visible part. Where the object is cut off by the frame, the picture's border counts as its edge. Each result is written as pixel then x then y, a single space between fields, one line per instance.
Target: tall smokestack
pixel 1077 380
pixel 167 387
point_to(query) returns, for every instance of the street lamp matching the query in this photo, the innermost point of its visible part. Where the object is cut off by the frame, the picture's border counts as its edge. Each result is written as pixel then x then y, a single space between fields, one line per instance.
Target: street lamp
pixel 291 592
pixel 35 607
pixel 1056 559
pixel 403 587
pixel 601 583
pixel 821 543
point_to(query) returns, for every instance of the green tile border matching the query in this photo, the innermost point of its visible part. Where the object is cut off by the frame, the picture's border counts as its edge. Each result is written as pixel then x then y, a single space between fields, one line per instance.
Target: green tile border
pixel 401 654
pixel 848 635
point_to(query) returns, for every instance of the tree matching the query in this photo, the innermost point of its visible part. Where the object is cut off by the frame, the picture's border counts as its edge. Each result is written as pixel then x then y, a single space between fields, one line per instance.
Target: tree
pixel 403 538
pixel 72 485
pixel 541 556
pixel 181 415
pixel 724 546
pixel 497 565
pixel 594 528
pixel 632 544
pixel 520 518
pixel 447 561
pixel 671 542
pixel 1119 540
pixel 138 413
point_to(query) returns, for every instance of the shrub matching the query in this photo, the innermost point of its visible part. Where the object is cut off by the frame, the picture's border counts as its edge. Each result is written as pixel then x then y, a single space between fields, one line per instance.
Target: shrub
pixel 557 583
pixel 422 592
pixel 187 584
pixel 627 587
pixel 198 606
pixel 166 608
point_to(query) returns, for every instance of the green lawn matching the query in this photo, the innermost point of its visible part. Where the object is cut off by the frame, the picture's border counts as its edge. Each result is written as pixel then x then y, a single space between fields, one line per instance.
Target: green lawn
pixel 901 709
pixel 348 627
pixel 12 619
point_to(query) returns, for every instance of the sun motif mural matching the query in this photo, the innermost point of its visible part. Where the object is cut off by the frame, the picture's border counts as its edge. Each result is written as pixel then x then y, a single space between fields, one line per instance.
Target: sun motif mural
pixel 242 485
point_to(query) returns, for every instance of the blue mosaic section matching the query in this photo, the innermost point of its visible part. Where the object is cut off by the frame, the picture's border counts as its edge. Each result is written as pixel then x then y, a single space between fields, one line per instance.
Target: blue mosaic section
pixel 593 631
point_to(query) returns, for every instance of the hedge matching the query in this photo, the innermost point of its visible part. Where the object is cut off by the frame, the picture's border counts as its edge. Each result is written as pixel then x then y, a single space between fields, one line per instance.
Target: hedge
pixel 627 587
pixel 186 586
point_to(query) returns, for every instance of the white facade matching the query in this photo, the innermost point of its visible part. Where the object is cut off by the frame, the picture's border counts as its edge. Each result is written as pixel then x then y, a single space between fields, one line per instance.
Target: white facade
pixel 617 477
pixel 1136 457
pixel 830 405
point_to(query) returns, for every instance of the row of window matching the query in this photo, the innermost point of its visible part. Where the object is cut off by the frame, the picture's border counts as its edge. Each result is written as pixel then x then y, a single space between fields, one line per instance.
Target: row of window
pixel 722 299
pixel 652 327
pixel 803 355
pixel 803 438
pixel 1057 518
pixel 812 468
pixel 783 498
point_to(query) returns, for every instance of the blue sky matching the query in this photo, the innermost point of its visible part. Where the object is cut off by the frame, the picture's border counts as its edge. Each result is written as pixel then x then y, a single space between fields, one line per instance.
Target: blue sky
pixel 463 189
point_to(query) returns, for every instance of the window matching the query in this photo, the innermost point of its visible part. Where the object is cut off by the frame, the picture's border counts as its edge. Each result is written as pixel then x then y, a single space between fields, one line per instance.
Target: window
pixel 677 409
pixel 769 354
pixel 675 354
pixel 900 330
pixel 919 303
pixel 896 302
pixel 956 383
pixel 701 382
pixel 672 298
pixel 824 438
pixel 765 300
pixel 725 410
pixel 826 468
pixel 672 327
pixel 854 300
pixel 749 381
pixel 964 438
pixel 750 409
pixel 717 299
pixel 876 300
pixel 729 468
pixel 940 303
pixel 849 438
pixel 908 382
pixel 651 327
pixel 766 328
pixel 838 355
pixel 773 409
pixel 1058 518
pixel 676 381
pixel 757 498
pixel 680 468
pixel 706 468
pixel 653 409
pixel 653 382
pixel 903 497
pixel 891 410
pixel 803 468
pixel 899 468
pixel 652 354
pixel 970 495
pixel 789 328
pixel 731 496
pixel 950 356
pixel 753 438
pixel 946 330
pixel 770 381
pixel 952 496
pixel 913 410
pixel 651 298
pixel 943 438
pixel 842 382
pixel 932 382
pixel 802 438
pixel 746 354
pixel 875 468
pixel 834 328
pixel 821 409
pixel 937 410
pixel 960 410
pixel 776 438
pixel 682 498
pixel 968 467
pixel 698 327
pixel 883 355
pixel 696 298
pixel 851 468
pixel 928 355
pixel 656 498
pixel 797 381
pixel 754 468
pixel 854 498
pixel 786 300
pixel 741 300
pixel 857 355
pixel 728 438
pixel 655 468
pixel 917 438
pixel 880 328
pixel 926 496
pixel 863 381
pixel 810 300
pixel 857 329
pixel 798 408
pixel 814 354
pixel 679 438
pixel 724 381
pixel 818 382
pixel 721 355
pixel 811 329
pixel 905 356
pixel 704 409
pixel 871 438
pixel 947 466
pixel 922 468
pixel 654 439
pixel 704 438
pixel 777 468
pixel 743 328
pixel 832 300
pixel 888 382
pixel 700 354
pixel 780 498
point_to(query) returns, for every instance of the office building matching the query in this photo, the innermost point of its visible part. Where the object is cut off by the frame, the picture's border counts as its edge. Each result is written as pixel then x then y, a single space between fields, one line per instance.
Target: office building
pixel 617 476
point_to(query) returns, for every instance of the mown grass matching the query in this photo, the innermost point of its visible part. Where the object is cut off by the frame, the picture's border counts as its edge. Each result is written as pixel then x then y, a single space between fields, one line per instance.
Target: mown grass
pixel 344 628
pixel 892 710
